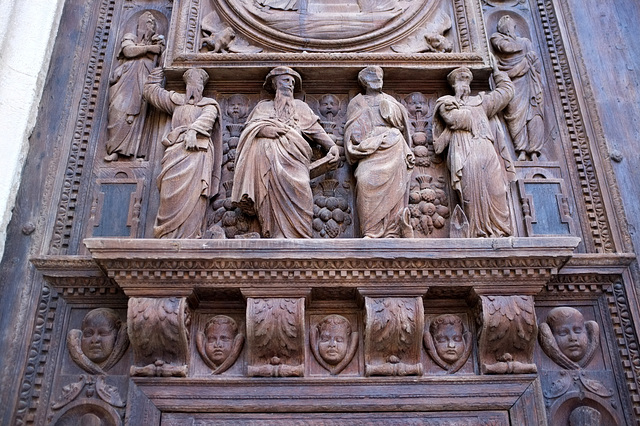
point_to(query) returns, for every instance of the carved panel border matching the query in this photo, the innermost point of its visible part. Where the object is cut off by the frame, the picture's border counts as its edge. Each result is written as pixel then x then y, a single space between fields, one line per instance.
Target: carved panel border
pixel 32 382
pixel 82 129
pixel 598 224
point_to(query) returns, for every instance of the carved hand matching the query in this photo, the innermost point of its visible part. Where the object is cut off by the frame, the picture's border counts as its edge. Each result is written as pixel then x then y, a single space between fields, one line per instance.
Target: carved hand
pixel 333 154
pixel 190 140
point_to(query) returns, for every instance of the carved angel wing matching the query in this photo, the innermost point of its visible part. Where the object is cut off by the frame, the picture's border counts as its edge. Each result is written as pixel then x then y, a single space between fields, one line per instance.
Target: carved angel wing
pixel 593 333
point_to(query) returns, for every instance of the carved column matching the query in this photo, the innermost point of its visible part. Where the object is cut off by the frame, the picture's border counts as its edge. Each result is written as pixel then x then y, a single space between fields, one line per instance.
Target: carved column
pixel 158 330
pixel 275 336
pixel 393 336
pixel 508 334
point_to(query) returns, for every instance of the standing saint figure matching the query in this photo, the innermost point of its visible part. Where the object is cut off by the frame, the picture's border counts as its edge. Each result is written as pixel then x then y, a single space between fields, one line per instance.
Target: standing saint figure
pixel 192 160
pixel 127 109
pixel 524 114
pixel 273 158
pixel 377 138
pixel 478 174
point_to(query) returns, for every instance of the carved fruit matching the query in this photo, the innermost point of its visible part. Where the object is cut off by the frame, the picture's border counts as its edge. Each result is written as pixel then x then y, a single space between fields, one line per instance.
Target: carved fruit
pixel 442 211
pixel 318 224
pixel 321 201
pixel 438 221
pixel 332 228
pixel 332 203
pixel 229 219
pixel 414 198
pixel 228 204
pixel 421 151
pixel 325 214
pixel 419 138
pixel 428 194
pixel 338 215
pixel 342 204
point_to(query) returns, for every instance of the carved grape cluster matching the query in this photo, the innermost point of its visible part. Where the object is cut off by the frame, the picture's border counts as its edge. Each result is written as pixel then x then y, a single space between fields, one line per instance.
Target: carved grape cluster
pixel 231 218
pixel 428 204
pixel 331 212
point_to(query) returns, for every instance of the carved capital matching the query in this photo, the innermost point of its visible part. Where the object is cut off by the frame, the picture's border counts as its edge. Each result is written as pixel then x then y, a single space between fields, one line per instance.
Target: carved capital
pixel 508 335
pixel 275 335
pixel 158 330
pixel 393 336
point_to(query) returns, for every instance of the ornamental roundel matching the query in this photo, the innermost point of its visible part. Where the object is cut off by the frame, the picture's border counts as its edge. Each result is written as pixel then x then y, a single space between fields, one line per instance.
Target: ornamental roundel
pixel 326 25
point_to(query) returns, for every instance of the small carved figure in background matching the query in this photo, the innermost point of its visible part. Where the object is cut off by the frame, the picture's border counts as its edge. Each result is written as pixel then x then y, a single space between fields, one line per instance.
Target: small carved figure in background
pixel 220 344
pixel 462 123
pixel 101 342
pixel 273 158
pixel 568 339
pixel 447 342
pixel 192 160
pixel 524 114
pixel 127 109
pixel 333 343
pixel 377 139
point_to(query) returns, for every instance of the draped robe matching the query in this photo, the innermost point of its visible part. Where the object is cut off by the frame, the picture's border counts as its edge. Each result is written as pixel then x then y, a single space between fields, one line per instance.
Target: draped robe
pixel 478 173
pixel 189 178
pixel 273 174
pixel 378 140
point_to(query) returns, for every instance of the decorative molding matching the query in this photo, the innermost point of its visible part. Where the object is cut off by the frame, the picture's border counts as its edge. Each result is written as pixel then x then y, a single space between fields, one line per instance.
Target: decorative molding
pixel 597 221
pixel 83 130
pixel 31 385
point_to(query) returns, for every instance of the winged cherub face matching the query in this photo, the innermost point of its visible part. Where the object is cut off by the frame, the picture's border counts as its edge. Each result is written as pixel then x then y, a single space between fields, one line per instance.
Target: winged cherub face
pixel 571 335
pixel 219 342
pixel 329 104
pixel 98 337
pixel 449 342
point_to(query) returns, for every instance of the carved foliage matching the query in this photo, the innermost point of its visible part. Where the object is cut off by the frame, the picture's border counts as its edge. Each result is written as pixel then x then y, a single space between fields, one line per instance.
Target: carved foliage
pixel 275 331
pixel 158 329
pixel 508 335
pixel 393 336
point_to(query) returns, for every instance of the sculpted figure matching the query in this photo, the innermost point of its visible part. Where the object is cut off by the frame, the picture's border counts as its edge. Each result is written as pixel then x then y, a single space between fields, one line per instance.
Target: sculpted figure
pixel 447 342
pixel 273 159
pixel 127 109
pixel 524 113
pixel 462 123
pixel 191 164
pixel 220 344
pixel 333 343
pixel 568 339
pixel 101 342
pixel 377 139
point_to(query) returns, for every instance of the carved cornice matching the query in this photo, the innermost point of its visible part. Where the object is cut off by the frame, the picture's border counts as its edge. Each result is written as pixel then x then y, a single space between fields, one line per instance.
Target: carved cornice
pixel 176 267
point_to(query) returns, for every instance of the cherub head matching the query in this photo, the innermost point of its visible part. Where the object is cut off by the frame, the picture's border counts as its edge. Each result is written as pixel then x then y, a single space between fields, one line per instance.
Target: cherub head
pixel 220 333
pixel 237 107
pixel 416 104
pixel 329 106
pixel 448 336
pixel 334 335
pixel 99 333
pixel 568 328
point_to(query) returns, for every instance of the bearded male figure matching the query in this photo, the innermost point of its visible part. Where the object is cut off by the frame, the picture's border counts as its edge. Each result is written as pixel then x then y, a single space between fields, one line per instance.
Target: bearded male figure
pixel 478 174
pixel 191 164
pixel 273 158
pixel 377 138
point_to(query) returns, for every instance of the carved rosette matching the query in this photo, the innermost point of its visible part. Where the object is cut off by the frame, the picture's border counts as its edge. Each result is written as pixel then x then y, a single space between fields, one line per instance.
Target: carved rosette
pixel 508 335
pixel 275 335
pixel 158 330
pixel 393 336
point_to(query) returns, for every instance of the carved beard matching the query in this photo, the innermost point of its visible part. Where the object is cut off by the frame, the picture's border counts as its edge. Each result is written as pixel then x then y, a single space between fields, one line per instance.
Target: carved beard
pixel 147 35
pixel 284 105
pixel 194 93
